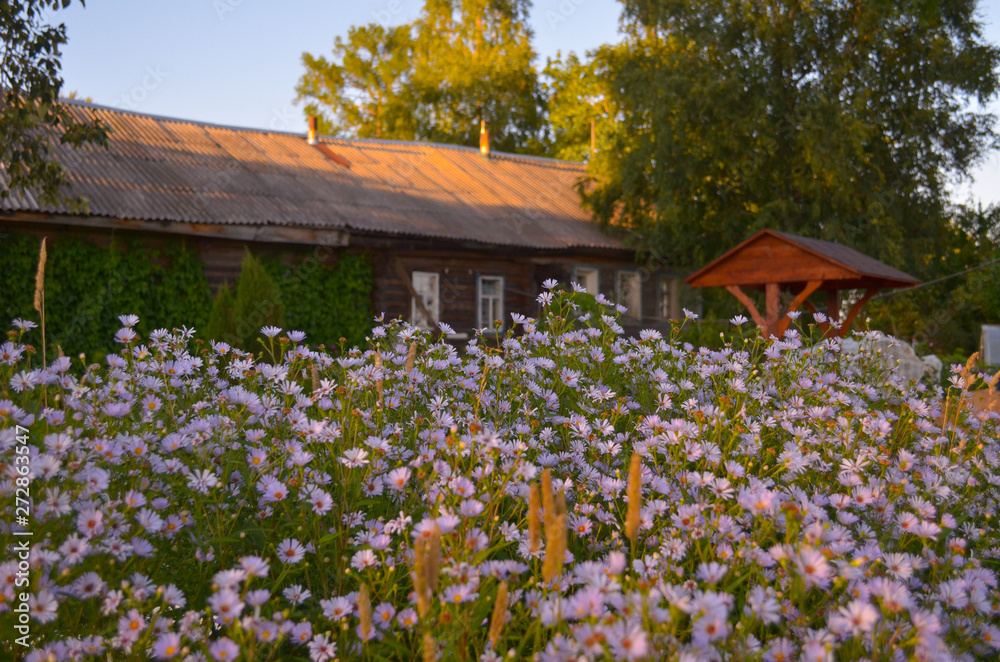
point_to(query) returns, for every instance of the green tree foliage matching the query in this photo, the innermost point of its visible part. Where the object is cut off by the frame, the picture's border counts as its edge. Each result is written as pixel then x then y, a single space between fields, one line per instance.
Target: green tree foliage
pixel 839 120
pixel 31 117
pixel 364 90
pixel 945 316
pixel 473 60
pixel 184 297
pixel 579 95
pixel 460 62
pixel 257 303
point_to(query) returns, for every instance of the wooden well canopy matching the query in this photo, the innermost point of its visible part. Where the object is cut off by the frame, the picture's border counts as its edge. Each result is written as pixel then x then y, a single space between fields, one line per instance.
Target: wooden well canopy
pixel 777 262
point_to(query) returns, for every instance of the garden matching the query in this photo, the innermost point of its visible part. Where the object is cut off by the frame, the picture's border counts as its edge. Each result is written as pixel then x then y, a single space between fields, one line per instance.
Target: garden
pixel 557 492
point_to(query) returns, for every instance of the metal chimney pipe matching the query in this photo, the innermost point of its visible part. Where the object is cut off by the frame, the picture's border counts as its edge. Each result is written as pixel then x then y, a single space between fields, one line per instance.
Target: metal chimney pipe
pixel 484 138
pixel 312 131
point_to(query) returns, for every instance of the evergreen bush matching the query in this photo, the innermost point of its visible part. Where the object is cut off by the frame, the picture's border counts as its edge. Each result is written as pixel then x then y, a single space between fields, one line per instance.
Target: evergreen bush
pixel 257 303
pixel 220 319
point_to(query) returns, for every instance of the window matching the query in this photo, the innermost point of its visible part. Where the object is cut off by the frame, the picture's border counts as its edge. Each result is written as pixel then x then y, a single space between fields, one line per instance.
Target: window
pixel 490 307
pixel 425 285
pixel 991 344
pixel 588 278
pixel 628 291
pixel 663 298
pixel 668 297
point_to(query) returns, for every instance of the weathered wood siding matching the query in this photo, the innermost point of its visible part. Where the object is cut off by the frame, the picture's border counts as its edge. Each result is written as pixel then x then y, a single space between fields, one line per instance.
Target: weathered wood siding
pixel 459 268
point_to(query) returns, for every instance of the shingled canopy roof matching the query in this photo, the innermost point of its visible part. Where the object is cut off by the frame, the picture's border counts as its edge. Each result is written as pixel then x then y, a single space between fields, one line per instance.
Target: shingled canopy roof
pixel 776 261
pixel 173 175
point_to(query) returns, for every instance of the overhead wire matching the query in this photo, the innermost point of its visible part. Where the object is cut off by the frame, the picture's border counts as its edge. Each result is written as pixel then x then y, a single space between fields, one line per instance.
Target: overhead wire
pixel 886 295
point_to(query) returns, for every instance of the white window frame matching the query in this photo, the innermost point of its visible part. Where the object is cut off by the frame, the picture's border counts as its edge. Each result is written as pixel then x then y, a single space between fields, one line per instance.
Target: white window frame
pixel 482 319
pixel 634 312
pixel 671 287
pixel 431 299
pixel 583 273
pixel 664 298
pixel 990 349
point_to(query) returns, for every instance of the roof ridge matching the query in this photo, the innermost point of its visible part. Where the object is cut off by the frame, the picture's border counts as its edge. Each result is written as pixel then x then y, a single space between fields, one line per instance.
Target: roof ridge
pixel 377 141
pixel 178 120
pixel 507 156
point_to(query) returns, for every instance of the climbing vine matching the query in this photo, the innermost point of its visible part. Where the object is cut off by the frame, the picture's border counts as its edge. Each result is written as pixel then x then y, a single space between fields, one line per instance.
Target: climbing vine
pixel 87 286
pixel 327 302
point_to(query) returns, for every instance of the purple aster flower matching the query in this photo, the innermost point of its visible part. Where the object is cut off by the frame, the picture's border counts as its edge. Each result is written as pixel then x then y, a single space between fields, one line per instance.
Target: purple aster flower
pixel 167 646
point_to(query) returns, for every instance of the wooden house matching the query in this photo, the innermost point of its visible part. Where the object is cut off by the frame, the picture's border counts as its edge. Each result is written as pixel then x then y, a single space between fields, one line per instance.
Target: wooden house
pixel 454 235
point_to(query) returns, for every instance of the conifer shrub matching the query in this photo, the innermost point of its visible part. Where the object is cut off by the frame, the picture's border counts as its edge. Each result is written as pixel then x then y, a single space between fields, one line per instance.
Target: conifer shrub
pixel 257 303
pixel 220 319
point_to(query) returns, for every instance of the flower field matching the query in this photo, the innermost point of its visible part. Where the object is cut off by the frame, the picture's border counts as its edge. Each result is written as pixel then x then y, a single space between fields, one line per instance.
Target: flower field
pixel 562 493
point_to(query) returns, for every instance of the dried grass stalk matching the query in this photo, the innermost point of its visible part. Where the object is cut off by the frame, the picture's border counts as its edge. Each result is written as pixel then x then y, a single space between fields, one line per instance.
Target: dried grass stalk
pixel 534 519
pixel 40 307
pixel 426 569
pixel 555 548
pixel 433 561
pixel 411 357
pixel 499 615
pixel 40 278
pixel 365 611
pixel 314 374
pixel 429 648
pixel 634 498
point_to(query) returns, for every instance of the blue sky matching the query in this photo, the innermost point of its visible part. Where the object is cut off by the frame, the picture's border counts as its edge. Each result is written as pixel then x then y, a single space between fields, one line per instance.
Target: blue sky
pixel 236 62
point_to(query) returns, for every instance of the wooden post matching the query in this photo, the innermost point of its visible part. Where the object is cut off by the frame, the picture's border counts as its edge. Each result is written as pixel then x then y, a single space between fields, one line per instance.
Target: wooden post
pixel 833 305
pixel 773 308
pixel 737 292
pixel 799 299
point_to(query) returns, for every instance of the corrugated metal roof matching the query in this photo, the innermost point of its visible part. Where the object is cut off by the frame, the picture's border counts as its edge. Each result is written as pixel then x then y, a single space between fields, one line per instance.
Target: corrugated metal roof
pixel 162 169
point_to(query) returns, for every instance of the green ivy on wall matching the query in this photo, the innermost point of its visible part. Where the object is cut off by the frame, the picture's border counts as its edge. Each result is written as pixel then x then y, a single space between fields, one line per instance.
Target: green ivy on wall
pixel 88 286
pixel 18 262
pixel 327 302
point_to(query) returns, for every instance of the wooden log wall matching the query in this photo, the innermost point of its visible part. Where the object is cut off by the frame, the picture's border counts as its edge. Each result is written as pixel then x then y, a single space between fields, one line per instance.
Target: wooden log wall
pixel 458 267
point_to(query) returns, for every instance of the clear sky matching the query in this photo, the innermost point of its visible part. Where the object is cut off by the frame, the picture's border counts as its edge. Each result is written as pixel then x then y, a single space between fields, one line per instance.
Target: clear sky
pixel 236 62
